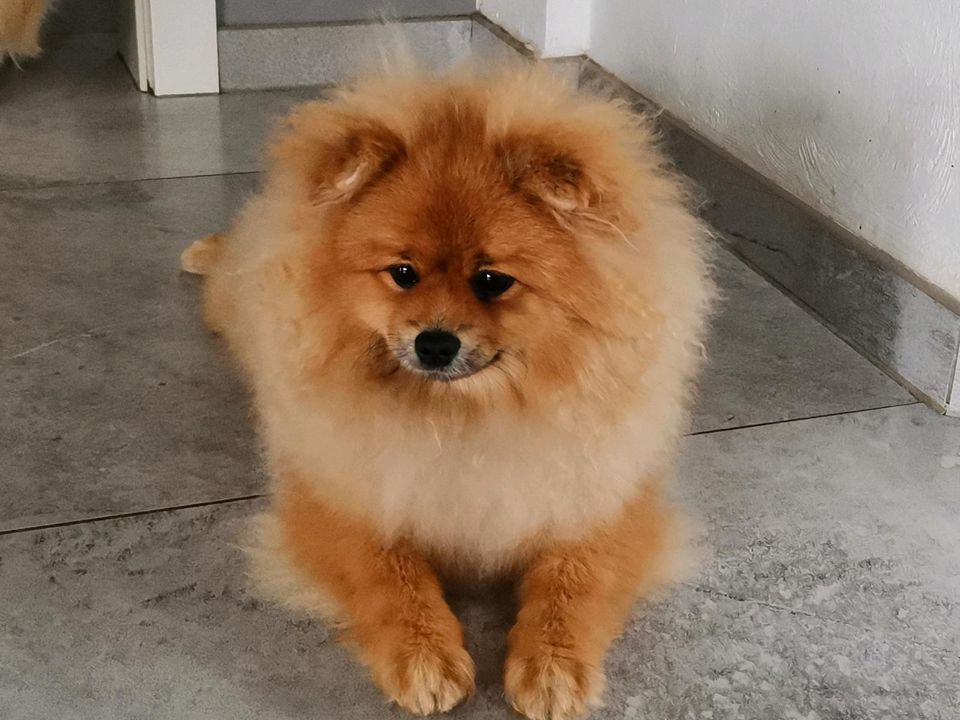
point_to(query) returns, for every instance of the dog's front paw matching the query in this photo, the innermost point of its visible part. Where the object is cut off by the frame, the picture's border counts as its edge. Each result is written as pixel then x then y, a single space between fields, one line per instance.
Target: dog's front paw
pixel 429 679
pixel 551 684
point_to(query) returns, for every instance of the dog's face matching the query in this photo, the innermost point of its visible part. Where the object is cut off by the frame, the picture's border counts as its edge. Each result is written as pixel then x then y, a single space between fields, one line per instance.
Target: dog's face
pixel 432 281
pixel 459 276
pixel 448 257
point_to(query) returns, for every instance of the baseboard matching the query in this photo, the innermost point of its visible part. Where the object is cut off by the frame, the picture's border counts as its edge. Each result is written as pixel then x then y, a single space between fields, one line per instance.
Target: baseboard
pixel 325 54
pixel 234 13
pixel 259 58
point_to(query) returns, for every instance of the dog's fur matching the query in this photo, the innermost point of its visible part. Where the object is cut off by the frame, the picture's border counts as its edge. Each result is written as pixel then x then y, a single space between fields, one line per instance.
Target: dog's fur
pixel 20 22
pixel 547 464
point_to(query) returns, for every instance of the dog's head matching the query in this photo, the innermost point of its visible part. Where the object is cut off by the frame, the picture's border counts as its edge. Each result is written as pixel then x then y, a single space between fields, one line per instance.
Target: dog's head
pixel 456 246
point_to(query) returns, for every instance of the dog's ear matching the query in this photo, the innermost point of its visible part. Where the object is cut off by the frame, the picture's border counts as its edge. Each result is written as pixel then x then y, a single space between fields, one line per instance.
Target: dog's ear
pixel 550 171
pixel 334 153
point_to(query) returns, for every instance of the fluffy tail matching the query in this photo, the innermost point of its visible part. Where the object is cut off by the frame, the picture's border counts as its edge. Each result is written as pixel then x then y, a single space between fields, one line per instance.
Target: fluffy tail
pixel 202 255
pixel 20 22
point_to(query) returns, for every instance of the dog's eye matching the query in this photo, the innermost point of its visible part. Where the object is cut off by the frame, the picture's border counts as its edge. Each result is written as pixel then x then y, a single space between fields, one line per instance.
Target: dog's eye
pixel 404 276
pixel 488 284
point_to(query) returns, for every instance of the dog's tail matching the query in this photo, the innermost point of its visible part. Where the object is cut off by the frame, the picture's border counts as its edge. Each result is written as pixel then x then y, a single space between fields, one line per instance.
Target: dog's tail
pixel 203 254
pixel 20 22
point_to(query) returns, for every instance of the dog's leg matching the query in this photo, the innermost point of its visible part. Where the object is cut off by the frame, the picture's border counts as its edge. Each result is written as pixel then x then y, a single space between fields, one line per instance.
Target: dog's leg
pixel 574 599
pixel 389 603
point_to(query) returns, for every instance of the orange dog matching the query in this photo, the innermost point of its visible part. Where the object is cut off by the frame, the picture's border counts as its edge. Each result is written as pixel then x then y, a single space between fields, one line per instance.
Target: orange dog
pixel 470 309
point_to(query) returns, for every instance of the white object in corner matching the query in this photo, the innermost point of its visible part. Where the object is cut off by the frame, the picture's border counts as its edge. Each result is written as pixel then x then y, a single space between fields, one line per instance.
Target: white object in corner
pixel 170 46
pixel 953 404
pixel 568 28
pixel 134 41
pixel 553 28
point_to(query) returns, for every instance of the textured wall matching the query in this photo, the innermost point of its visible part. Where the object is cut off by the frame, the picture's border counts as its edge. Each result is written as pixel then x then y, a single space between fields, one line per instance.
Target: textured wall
pixel 853 106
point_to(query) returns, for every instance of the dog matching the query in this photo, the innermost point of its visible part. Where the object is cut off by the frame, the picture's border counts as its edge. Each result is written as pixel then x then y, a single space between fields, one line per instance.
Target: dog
pixel 471 308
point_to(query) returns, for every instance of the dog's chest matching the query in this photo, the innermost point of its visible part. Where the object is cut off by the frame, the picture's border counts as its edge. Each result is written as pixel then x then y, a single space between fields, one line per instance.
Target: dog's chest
pixel 486 492
pixel 480 492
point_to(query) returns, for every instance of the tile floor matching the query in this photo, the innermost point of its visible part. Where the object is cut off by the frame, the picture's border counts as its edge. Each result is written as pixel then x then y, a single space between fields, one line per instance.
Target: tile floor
pixel 830 497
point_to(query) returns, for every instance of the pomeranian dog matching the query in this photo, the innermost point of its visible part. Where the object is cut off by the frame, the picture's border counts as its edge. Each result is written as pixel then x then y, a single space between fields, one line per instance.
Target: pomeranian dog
pixel 470 307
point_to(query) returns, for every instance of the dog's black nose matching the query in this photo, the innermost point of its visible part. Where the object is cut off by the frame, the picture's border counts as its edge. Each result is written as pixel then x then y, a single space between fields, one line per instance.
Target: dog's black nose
pixel 436 348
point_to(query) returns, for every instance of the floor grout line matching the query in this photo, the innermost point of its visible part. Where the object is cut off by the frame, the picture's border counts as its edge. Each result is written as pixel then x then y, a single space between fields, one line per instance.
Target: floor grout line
pixel 706 590
pixel 134 513
pixel 776 607
pixel 839 413
pixel 88 333
pixel 254 496
pixel 119 181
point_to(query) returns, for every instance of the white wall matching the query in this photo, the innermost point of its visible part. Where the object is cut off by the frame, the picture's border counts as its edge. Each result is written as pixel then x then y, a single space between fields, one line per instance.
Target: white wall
pixel 554 28
pixel 851 105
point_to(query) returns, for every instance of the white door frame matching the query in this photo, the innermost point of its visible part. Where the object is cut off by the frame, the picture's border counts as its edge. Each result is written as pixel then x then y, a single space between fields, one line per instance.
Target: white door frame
pixel 953 401
pixel 170 46
pixel 134 41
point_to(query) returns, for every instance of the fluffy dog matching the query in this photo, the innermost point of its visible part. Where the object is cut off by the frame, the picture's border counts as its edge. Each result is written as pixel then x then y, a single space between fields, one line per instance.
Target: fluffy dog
pixel 470 307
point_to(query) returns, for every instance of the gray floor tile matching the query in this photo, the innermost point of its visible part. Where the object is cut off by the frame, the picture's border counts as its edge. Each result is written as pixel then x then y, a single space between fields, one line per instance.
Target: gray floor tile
pixel 712 658
pixel 152 617
pixel 853 518
pixel 74 116
pixel 114 397
pixel 769 360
